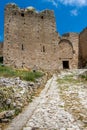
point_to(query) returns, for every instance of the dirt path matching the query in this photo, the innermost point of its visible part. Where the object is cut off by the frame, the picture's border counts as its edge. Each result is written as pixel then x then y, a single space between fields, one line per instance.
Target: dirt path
pixel 61 105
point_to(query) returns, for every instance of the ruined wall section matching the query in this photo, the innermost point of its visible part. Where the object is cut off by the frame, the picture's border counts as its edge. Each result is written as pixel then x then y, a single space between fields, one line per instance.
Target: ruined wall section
pixel 30 38
pixel 70 50
pixel 83 48
pixel 74 38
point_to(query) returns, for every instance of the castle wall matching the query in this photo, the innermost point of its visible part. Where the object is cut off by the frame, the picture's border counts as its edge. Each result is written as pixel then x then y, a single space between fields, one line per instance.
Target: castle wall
pixel 1 49
pixel 31 41
pixel 83 47
pixel 68 50
pixel 74 38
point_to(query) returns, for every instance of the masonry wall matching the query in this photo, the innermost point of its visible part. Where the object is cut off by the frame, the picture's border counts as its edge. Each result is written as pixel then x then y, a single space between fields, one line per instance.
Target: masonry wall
pixel 1 49
pixel 30 39
pixel 69 50
pixel 83 48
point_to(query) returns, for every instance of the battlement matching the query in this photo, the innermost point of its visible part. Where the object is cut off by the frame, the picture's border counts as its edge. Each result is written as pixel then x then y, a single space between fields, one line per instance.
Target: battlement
pixel 10 6
pixel 13 8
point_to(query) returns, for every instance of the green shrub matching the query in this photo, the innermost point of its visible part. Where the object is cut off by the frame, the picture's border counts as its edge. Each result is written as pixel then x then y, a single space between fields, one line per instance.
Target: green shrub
pixel 24 75
pixel 83 77
pixel 31 76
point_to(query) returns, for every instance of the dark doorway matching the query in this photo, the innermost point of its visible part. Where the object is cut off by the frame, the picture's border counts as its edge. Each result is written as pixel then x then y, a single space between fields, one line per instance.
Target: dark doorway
pixel 65 64
pixel 1 60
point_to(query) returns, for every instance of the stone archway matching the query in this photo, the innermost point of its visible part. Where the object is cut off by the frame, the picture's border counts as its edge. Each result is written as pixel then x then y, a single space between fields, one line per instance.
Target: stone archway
pixel 65 53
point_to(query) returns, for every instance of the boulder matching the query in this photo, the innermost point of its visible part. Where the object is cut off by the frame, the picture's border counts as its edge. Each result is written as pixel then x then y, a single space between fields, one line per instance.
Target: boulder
pixel 8 101
pixel 10 114
pixel 2 114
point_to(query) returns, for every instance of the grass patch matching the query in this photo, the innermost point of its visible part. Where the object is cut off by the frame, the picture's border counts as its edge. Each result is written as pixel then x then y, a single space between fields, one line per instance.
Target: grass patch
pixel 69 93
pixel 84 77
pixel 67 79
pixel 64 88
pixel 24 75
pixel 31 76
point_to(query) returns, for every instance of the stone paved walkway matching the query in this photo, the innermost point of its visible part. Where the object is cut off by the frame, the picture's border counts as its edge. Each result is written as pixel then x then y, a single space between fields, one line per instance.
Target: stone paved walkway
pixel 47 111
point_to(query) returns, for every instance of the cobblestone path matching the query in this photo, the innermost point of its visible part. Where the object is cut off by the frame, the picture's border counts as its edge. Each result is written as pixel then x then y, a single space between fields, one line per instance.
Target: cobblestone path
pixel 49 111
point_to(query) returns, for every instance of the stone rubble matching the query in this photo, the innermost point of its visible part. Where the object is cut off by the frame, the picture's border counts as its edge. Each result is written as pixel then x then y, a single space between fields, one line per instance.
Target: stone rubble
pixel 15 94
pixel 60 106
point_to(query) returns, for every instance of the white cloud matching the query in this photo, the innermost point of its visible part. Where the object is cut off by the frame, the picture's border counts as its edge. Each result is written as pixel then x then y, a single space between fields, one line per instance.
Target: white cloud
pixel 74 12
pixel 78 3
pixel 54 2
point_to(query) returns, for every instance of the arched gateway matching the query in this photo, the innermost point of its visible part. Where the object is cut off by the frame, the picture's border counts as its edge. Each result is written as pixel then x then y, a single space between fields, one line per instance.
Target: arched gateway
pixel 65 53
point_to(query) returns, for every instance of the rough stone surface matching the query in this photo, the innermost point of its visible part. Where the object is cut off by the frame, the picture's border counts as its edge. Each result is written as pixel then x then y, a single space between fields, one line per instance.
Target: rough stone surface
pixel 31 41
pixel 83 48
pixel 1 49
pixel 15 94
pixel 61 105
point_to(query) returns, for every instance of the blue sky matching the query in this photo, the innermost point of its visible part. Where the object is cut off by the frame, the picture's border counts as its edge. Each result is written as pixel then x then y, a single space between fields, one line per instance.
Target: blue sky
pixel 71 15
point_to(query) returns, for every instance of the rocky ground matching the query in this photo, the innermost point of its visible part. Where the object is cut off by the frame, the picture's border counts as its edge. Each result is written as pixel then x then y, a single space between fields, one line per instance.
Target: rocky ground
pixel 62 105
pixel 15 94
pixel 73 93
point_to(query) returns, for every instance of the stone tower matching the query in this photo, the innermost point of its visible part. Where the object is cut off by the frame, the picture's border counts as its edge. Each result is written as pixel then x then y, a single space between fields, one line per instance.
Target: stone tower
pixel 30 38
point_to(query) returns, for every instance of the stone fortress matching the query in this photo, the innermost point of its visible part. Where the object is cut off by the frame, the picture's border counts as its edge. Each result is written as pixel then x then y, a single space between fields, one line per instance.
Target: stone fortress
pixel 31 41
